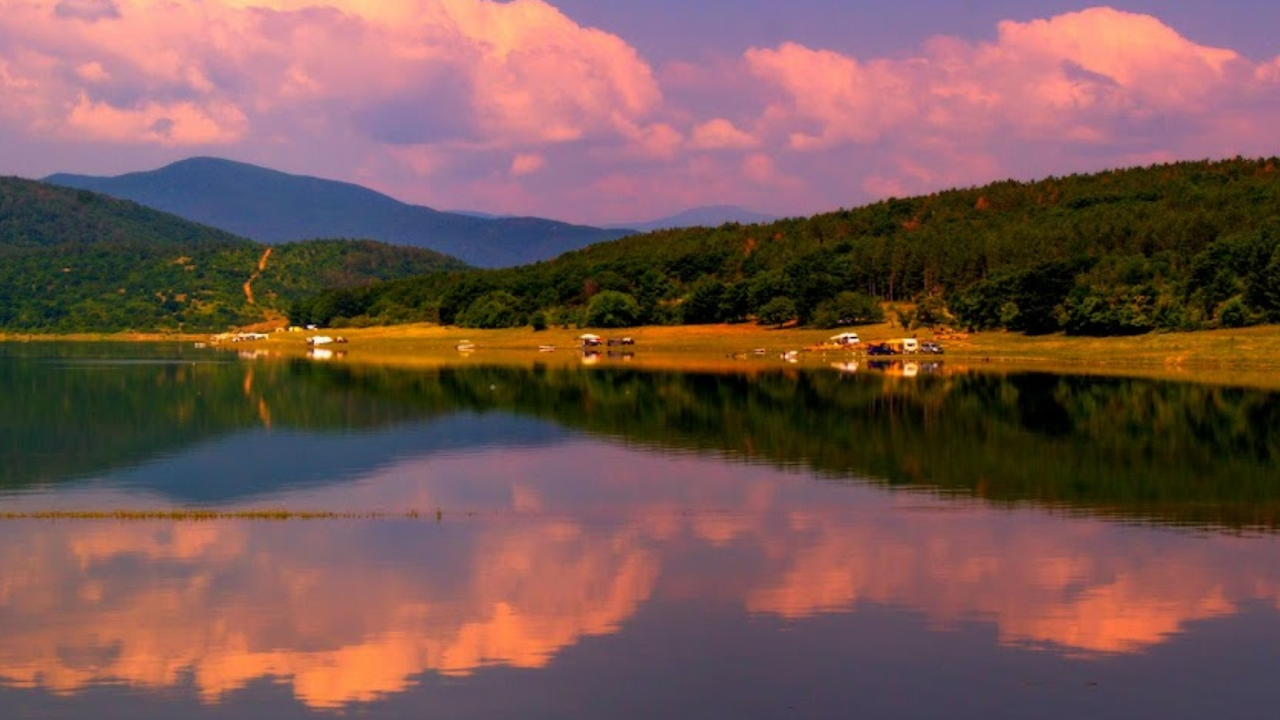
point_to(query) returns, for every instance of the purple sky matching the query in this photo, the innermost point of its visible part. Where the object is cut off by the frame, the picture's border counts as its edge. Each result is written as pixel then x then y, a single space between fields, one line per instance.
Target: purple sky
pixel 612 111
pixel 887 28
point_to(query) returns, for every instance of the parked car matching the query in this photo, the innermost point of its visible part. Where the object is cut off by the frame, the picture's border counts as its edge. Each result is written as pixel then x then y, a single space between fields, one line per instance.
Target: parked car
pixel 904 346
pixel 879 349
pixel 931 347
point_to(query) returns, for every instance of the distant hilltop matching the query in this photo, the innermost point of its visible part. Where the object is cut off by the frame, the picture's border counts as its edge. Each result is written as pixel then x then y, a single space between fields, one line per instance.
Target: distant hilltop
pixel 273 207
pixel 708 216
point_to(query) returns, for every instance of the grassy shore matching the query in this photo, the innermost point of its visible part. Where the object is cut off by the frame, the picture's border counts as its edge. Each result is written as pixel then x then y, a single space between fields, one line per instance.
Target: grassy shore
pixel 1248 356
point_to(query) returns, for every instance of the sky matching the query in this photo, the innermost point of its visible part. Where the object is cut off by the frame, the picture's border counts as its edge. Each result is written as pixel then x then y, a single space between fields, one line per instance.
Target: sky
pixel 612 111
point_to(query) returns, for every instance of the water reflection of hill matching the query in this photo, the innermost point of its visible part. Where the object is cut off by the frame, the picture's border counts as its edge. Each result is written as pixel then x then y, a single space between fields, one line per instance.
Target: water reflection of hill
pixel 1135 448
pixel 198 429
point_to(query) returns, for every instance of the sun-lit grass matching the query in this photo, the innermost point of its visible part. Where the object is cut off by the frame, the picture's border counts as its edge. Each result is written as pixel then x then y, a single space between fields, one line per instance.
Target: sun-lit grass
pixel 1256 346
pixel 1249 356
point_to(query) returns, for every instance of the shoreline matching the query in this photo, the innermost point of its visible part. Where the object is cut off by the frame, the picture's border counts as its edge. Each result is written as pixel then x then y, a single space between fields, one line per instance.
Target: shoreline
pixel 1243 356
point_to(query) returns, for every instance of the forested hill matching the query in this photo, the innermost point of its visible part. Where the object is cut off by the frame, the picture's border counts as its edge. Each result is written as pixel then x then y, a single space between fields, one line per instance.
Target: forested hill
pixel 77 261
pixel 1178 246
pixel 271 206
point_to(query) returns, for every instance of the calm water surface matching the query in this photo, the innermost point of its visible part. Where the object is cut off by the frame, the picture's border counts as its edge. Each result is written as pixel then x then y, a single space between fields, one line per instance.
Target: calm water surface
pixel 612 543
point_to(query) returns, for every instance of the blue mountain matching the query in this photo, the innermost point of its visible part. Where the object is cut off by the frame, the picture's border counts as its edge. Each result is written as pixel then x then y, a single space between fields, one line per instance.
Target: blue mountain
pixel 273 207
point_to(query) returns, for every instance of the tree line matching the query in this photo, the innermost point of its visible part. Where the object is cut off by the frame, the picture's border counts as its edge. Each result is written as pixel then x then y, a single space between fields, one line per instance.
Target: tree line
pixel 1168 247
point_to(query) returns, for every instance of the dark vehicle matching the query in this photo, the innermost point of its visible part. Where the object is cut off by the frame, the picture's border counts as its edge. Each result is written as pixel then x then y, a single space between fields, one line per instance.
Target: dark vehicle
pixel 931 347
pixel 879 349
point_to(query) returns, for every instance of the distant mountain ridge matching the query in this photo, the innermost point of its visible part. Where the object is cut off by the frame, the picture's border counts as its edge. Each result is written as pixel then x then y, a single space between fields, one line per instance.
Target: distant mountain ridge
pixel 707 216
pixel 272 207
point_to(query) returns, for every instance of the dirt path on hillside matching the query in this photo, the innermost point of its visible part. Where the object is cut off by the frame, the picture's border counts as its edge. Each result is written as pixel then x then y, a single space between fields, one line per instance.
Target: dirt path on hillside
pixel 248 284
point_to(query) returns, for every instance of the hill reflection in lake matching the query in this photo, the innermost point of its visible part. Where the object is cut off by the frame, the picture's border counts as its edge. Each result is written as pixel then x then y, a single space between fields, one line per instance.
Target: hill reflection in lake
pixel 622 543
pixel 220 432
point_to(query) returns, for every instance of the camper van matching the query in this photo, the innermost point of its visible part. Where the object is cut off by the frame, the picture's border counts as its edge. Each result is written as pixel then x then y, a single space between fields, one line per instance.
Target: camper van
pixel 904 346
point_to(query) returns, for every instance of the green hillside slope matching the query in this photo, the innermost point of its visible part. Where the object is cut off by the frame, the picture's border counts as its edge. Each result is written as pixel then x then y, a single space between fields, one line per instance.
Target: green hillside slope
pixel 271 206
pixel 76 261
pixel 1178 246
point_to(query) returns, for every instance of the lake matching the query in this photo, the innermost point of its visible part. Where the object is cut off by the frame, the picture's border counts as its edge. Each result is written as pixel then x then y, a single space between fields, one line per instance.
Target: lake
pixel 196 533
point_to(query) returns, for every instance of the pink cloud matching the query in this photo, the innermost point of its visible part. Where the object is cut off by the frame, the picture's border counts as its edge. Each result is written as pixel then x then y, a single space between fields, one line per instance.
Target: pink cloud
pixel 175 124
pixel 1137 52
pixel 1024 104
pixel 849 101
pixel 1042 77
pixel 521 71
pixel 655 140
pixel 720 134
pixel 93 72
pixel 515 106
pixel 759 167
pixel 527 164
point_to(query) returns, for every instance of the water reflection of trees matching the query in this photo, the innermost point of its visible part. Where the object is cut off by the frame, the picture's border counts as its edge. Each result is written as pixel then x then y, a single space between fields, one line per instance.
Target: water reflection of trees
pixel 1170 452
pixel 1139 448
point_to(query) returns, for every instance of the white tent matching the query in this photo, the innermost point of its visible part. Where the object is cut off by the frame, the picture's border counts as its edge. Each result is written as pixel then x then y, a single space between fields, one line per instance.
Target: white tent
pixel 847 338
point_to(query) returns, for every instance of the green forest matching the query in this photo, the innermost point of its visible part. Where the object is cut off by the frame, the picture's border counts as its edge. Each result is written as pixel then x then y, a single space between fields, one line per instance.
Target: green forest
pixel 1181 246
pixel 77 261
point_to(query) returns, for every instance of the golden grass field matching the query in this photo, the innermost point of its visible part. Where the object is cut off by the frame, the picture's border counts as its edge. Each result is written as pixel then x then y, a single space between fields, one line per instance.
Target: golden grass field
pixel 1247 356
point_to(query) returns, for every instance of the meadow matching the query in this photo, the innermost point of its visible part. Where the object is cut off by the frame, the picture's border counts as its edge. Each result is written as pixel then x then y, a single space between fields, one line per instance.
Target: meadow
pixel 1241 356
pixel 1244 356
